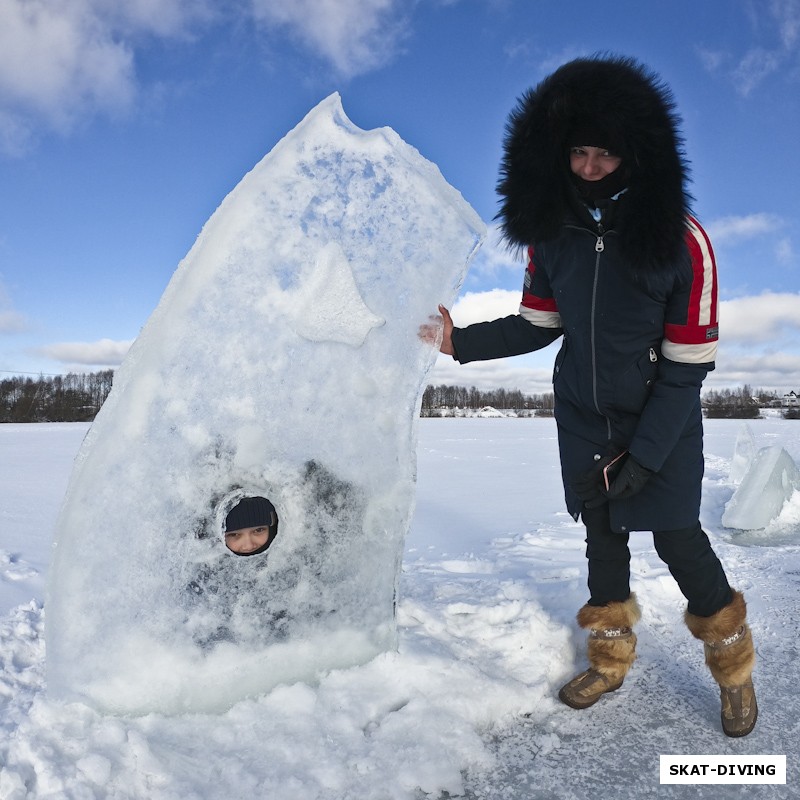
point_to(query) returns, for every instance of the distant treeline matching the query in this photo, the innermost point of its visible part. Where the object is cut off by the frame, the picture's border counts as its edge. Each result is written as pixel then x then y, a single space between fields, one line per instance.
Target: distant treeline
pixel 438 397
pixel 78 397
pixel 746 403
pixel 740 403
pixel 59 398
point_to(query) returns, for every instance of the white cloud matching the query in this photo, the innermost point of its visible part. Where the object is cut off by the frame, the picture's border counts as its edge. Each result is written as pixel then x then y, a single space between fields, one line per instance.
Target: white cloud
pixel 63 59
pixel 495 257
pixel 355 36
pixel 733 229
pixel 480 306
pixel 754 67
pixel 163 18
pixel 764 318
pixel 712 60
pixel 58 59
pixel 787 15
pixel 777 25
pixel 105 352
pixel 11 321
pixel 14 132
pixel 784 251
pixel 764 370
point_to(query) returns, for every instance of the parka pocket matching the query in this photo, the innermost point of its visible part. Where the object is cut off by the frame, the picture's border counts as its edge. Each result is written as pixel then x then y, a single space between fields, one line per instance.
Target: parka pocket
pixel 634 385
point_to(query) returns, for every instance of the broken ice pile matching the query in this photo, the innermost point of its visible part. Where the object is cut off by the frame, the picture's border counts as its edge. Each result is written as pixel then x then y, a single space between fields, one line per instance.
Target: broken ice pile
pixel 767 478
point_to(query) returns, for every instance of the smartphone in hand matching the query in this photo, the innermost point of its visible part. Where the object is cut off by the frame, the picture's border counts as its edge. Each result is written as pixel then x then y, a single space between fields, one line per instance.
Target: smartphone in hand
pixel 613 467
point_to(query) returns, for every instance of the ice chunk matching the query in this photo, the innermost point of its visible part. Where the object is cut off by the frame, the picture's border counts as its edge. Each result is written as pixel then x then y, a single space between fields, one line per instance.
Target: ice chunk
pixel 283 361
pixel 744 452
pixel 338 313
pixel 768 483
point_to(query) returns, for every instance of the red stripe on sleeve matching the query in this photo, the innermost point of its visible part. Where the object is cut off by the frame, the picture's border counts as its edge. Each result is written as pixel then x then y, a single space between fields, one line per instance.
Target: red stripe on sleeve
pixel 701 324
pixel 529 299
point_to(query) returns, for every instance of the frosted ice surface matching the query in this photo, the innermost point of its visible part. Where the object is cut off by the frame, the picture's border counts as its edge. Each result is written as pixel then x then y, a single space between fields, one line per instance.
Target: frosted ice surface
pixel 768 483
pixel 283 361
pixel 744 452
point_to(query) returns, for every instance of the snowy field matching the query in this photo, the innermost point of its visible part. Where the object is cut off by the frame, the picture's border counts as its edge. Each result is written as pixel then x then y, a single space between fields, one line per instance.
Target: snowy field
pixel 493 575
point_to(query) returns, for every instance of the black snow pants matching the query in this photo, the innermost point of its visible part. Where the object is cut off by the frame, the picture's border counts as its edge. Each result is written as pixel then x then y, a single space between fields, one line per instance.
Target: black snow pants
pixel 686 552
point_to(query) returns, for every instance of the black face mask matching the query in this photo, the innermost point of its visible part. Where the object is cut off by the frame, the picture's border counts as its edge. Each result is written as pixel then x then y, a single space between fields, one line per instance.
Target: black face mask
pixel 604 189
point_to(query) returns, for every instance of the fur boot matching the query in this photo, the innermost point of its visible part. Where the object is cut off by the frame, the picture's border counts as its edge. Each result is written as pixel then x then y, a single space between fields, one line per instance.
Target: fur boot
pixel 611 651
pixel 730 656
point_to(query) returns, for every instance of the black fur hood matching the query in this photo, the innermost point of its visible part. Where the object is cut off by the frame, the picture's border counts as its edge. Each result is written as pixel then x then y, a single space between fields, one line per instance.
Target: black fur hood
pixel 615 94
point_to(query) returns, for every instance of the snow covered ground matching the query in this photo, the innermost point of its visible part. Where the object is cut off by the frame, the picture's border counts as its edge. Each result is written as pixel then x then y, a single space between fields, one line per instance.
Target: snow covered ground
pixel 493 575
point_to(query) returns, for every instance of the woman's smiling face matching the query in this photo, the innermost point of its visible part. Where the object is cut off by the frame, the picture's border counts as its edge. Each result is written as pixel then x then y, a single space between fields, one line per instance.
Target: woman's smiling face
pixel 247 540
pixel 592 163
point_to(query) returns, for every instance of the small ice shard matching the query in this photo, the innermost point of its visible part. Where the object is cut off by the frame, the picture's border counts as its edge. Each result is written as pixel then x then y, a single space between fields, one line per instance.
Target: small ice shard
pixel 334 311
pixel 744 452
pixel 766 486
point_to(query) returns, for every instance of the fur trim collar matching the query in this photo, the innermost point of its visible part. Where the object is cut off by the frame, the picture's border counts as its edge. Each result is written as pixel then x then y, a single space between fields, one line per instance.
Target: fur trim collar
pixel 616 94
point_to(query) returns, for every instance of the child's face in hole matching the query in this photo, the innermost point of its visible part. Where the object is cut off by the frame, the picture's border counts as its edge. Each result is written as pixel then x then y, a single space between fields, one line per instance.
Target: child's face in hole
pixel 247 540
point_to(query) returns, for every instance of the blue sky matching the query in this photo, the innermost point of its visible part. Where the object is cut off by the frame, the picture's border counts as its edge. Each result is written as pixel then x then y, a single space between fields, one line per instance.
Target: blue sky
pixel 124 125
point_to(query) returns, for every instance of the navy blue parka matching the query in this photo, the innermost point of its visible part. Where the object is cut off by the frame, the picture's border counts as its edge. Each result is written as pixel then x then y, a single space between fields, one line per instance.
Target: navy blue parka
pixel 634 354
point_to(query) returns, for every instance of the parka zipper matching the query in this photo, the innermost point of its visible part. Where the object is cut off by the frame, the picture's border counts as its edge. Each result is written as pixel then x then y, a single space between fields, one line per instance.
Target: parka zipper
pixel 599 246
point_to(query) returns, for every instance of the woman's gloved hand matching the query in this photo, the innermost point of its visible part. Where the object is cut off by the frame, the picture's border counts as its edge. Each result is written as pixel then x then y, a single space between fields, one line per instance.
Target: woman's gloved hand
pixel 591 486
pixel 630 480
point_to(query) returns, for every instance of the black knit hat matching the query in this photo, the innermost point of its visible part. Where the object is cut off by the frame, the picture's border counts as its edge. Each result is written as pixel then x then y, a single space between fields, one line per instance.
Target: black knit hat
pixel 251 512
pixel 597 133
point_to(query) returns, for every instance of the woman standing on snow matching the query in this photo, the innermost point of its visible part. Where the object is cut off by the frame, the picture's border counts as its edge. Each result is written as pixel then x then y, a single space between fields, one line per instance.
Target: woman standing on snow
pixel 593 184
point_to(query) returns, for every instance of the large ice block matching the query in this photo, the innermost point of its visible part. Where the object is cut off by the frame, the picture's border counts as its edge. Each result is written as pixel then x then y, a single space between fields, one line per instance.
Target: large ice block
pixel 769 482
pixel 283 361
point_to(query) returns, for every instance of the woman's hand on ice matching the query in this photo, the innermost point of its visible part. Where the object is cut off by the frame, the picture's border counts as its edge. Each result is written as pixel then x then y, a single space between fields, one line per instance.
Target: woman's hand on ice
pixel 444 324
